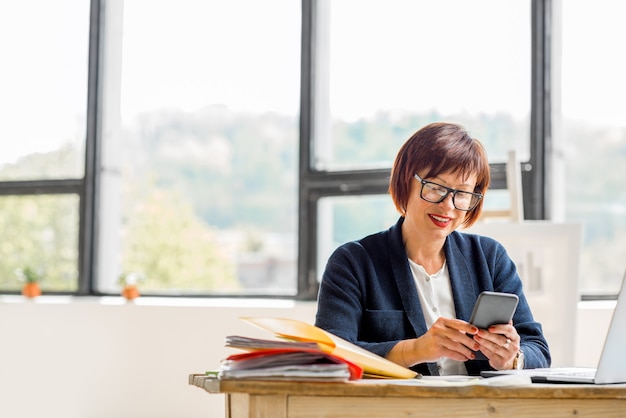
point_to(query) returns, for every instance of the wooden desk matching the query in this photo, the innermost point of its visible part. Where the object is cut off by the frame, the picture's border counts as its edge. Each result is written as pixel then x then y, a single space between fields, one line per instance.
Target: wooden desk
pixel 369 399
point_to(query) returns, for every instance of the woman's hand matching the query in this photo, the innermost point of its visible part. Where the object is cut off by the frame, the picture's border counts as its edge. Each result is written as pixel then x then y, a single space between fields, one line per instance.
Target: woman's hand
pixel 450 338
pixel 500 344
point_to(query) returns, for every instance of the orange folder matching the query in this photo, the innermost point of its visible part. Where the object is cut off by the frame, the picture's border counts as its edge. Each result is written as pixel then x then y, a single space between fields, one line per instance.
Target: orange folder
pixel 372 364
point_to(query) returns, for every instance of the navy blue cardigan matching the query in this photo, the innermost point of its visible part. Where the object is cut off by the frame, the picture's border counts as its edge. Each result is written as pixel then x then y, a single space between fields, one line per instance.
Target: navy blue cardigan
pixel 368 297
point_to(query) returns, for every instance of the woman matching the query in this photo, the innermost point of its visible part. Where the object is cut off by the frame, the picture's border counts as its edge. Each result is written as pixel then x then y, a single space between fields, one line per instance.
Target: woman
pixel 407 293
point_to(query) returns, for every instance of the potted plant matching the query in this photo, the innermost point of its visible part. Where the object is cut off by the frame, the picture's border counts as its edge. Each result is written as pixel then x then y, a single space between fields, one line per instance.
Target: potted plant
pixel 129 283
pixel 31 278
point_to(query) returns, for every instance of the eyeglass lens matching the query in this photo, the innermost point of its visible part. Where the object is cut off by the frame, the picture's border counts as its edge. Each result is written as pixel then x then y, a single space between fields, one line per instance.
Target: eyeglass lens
pixel 435 194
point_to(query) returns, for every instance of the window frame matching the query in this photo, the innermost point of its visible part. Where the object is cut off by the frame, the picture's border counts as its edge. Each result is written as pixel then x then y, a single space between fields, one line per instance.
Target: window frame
pixel 313 184
pixel 84 187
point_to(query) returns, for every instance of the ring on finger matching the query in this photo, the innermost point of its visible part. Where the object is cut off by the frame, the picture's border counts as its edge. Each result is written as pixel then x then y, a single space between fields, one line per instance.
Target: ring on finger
pixel 506 344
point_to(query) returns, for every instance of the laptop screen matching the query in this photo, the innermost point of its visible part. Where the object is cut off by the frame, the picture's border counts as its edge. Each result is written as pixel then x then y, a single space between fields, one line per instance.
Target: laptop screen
pixel 612 365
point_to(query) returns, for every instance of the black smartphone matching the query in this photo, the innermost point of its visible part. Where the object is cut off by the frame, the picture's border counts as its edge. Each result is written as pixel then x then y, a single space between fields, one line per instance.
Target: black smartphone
pixel 493 308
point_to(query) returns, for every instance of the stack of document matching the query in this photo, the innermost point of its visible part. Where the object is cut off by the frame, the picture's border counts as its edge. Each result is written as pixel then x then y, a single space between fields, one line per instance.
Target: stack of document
pixel 304 352
pixel 276 360
pixel 248 343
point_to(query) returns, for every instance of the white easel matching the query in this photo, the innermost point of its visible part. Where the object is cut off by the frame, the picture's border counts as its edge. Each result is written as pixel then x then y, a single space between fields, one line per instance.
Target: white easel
pixel 514 185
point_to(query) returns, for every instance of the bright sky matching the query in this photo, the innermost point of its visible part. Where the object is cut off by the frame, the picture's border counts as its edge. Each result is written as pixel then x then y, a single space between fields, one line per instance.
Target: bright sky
pixel 185 55
pixel 391 57
pixel 594 62
pixel 41 50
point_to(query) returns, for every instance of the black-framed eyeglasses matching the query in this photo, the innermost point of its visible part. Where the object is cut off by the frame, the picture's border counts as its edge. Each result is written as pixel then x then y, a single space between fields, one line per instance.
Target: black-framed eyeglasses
pixel 436 193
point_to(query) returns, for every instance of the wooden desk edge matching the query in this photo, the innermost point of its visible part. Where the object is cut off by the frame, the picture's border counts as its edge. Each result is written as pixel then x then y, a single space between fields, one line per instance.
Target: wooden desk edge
pixel 360 388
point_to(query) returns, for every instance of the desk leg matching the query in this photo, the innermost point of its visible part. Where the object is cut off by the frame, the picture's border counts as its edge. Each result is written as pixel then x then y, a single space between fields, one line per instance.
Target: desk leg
pixel 241 405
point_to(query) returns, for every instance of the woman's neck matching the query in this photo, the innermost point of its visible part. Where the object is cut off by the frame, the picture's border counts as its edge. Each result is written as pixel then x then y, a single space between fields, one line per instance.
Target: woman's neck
pixel 431 256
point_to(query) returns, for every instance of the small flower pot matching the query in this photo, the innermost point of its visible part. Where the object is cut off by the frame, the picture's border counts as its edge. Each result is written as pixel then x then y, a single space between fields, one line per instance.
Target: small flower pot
pixel 130 292
pixel 31 290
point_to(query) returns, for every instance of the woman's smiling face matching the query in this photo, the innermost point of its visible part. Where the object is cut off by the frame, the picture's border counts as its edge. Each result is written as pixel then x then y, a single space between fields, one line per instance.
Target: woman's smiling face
pixel 438 219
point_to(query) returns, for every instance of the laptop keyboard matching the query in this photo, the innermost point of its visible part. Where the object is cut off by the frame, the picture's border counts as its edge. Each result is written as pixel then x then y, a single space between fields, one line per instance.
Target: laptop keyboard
pixel 580 373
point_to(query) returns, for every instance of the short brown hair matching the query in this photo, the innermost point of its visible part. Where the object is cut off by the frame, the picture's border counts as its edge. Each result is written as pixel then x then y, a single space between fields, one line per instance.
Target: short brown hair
pixel 439 148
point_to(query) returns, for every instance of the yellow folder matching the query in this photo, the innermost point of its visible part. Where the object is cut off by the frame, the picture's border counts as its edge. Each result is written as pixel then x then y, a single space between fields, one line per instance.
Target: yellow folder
pixel 372 364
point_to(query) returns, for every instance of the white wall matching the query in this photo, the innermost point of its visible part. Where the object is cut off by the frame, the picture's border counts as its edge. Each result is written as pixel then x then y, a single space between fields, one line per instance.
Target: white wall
pixel 100 357
pixel 88 358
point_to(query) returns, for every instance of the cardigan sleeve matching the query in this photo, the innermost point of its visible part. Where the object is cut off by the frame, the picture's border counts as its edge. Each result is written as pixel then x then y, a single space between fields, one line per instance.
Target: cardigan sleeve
pixel 342 308
pixel 533 342
pixel 499 274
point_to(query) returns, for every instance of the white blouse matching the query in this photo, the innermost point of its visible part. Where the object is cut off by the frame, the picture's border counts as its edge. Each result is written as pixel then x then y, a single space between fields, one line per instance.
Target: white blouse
pixel 435 295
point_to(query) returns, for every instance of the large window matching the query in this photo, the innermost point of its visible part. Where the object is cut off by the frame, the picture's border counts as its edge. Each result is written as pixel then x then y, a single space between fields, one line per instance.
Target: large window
pixel 401 65
pixel 199 182
pixel 225 148
pixel 592 137
pixel 43 122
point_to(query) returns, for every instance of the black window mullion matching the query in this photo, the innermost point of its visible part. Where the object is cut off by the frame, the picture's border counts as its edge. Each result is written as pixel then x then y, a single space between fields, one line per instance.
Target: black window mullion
pixel 40 187
pixel 88 199
pixel 536 188
pixel 307 238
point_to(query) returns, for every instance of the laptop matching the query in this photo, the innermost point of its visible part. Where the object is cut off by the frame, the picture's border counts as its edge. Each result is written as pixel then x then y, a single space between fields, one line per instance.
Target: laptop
pixel 611 367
